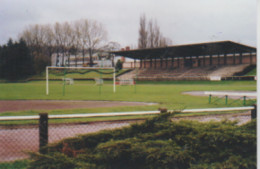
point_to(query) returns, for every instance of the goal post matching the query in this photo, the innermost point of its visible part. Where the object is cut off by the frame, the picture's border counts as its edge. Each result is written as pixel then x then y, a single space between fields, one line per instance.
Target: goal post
pixel 97 69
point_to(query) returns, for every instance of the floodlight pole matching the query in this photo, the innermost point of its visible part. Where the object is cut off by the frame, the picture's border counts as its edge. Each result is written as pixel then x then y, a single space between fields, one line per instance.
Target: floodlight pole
pixel 47 81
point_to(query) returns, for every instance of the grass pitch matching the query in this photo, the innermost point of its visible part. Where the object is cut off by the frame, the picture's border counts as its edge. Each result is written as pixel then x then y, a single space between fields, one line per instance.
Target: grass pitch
pixel 166 94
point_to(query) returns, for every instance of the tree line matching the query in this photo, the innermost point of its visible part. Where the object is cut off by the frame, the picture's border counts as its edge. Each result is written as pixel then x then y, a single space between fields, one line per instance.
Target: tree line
pixel 66 39
pixel 38 43
pixel 150 35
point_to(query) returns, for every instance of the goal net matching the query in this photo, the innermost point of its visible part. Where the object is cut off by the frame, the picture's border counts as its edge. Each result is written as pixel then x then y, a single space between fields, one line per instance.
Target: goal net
pixel 69 74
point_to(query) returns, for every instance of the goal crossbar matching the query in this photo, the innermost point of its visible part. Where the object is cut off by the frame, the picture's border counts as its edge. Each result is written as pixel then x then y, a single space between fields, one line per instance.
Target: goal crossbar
pixel 89 68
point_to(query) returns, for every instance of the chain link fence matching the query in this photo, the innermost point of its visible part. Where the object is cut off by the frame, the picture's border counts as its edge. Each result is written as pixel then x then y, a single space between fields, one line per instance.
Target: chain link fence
pixel 17 140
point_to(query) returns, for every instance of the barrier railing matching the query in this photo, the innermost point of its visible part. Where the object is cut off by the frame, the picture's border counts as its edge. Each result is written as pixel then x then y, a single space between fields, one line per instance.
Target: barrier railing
pixel 65 116
pixel 244 96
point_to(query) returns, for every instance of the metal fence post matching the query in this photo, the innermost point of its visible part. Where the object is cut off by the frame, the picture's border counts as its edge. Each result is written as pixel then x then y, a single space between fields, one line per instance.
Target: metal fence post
pixel 43 131
pixel 254 112
pixel 163 110
pixel 244 100
pixel 226 99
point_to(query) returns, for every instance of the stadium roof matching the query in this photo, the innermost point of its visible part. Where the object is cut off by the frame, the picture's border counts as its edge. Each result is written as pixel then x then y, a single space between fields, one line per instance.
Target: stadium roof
pixel 199 49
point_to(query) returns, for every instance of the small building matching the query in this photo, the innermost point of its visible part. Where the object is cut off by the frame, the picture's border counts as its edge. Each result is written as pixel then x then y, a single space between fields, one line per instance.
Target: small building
pixel 100 59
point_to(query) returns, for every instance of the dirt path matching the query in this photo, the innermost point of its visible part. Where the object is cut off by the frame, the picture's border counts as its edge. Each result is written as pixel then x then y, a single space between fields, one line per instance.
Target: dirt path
pixel 22 105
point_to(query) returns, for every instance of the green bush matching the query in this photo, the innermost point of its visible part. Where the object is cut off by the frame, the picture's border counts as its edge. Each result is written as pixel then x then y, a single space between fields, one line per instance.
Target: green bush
pixel 158 143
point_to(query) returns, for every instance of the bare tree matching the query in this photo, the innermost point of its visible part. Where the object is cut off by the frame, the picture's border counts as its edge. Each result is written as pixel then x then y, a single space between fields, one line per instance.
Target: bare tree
pixel 142 41
pixel 33 36
pixel 164 41
pixel 61 38
pixel 112 46
pixel 77 42
pixel 86 36
pixel 39 41
pixel 96 38
pixel 152 37
pixel 26 35
pixel 69 38
pixel 48 40
pixel 58 40
pixel 157 35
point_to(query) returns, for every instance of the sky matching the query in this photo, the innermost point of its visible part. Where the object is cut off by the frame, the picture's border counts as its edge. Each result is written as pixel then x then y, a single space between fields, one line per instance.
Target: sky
pixel 183 21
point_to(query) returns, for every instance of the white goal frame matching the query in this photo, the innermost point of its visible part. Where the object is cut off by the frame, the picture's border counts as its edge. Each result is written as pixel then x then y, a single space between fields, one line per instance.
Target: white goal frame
pixel 98 68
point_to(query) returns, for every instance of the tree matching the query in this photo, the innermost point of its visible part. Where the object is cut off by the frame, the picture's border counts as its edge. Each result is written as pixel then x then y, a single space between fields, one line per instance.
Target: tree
pixel 112 46
pixel 58 40
pixel 40 41
pixel 40 63
pixel 48 40
pixel 69 38
pixel 119 65
pixel 16 61
pixel 96 36
pixel 152 37
pixel 86 36
pixel 142 41
pixel 77 42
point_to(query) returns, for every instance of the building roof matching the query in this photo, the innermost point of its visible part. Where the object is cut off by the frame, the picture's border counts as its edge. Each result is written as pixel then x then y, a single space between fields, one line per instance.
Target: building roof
pixel 199 49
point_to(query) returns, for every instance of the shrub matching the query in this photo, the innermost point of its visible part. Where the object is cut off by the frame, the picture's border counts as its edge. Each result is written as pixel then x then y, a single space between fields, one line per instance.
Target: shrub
pixel 159 143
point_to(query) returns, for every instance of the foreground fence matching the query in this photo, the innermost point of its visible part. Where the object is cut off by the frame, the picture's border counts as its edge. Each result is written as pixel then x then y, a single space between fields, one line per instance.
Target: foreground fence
pixel 16 141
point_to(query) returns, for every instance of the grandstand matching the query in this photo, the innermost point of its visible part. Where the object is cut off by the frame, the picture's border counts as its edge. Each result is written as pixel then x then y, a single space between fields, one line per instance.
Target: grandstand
pixel 190 62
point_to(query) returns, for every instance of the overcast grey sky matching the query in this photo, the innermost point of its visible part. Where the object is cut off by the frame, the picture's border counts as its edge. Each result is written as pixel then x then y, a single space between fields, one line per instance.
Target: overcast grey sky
pixel 183 21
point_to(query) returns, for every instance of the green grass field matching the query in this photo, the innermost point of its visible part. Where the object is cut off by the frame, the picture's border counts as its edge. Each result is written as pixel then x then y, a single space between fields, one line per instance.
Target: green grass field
pixel 166 94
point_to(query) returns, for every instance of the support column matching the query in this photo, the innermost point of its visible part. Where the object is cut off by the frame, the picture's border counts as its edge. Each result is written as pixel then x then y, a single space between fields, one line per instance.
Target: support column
pixel 240 58
pixel 155 61
pixel 198 63
pixel 204 60
pixel 172 62
pixel 218 59
pixel 234 58
pixel 184 61
pixel 210 60
pixel 225 58
pixel 178 61
pixel 141 63
pixel 144 63
pixel 161 62
pixel 251 58
pixel 134 63
pixel 151 63
pixel 166 63
pixel 191 63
